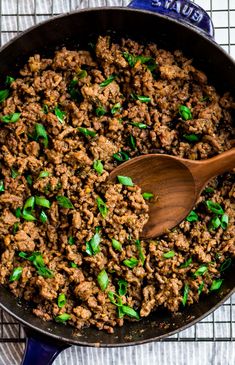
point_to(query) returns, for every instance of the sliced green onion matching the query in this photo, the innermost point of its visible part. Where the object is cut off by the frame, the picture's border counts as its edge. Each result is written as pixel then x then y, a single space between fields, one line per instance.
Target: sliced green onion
pixel 108 81
pixel 73 265
pixel 216 284
pixel 226 264
pixel 43 174
pixel 98 166
pixel 40 132
pixel 116 108
pixel 116 245
pixel 192 217
pixel 147 196
pixel 87 132
pixel 92 246
pixel 23 255
pixel 62 318
pixel 71 240
pixel 214 223
pixel 73 90
pixel 42 202
pixel 132 262
pixel 125 180
pixel 121 156
pixel 214 207
pixel 103 280
pixel 14 173
pixel 200 288
pixel 130 312
pixel 186 263
pixel 185 295
pixel 115 299
pixel 185 112
pixel 64 202
pixel 11 118
pixel 43 217
pixel 18 212
pixel 37 260
pixel 15 227
pixel 2 188
pixel 29 179
pixel 61 301
pixel 209 190
pixel 169 254
pixel 122 287
pixel 28 217
pixel 132 60
pixel 132 142
pixel 59 114
pixel 100 111
pixel 142 98
pixel 200 271
pixel 139 125
pixel 4 94
pixel 45 109
pixel 9 80
pixel 81 74
pixel 102 207
pixel 17 272
pixel 191 137
pixel 224 221
pixel 140 251
pixel 27 209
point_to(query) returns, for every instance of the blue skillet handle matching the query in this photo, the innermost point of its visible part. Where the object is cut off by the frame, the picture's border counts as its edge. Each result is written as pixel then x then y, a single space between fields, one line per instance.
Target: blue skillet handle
pixel 182 10
pixel 41 350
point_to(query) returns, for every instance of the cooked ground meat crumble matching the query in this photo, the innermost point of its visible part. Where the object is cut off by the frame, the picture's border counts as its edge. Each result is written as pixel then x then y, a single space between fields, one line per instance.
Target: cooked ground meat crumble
pixel 70 242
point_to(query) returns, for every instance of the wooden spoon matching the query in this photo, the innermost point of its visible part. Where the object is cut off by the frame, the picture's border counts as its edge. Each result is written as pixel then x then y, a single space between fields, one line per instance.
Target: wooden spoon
pixel 176 184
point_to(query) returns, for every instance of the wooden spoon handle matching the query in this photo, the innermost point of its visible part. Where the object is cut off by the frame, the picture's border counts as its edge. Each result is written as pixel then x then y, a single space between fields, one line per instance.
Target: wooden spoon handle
pixel 203 171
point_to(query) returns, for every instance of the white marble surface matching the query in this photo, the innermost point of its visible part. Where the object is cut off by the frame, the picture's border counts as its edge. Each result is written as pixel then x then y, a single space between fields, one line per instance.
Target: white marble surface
pixel 162 353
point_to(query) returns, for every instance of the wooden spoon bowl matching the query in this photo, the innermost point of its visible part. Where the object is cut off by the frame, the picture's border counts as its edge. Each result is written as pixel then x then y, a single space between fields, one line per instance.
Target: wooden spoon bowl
pixel 176 184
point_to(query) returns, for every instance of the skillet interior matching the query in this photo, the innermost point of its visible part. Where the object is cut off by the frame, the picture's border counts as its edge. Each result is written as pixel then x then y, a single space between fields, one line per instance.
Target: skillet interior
pixel 74 30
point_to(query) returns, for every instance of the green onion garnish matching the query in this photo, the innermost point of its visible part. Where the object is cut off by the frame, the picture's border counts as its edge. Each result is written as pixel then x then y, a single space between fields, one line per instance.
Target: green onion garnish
pixel 224 221
pixel 40 132
pixel 186 263
pixel 64 202
pixel 121 156
pixel 130 312
pixel 132 142
pixel 216 284
pixel 62 318
pixel 71 240
pixel 14 173
pixel 81 74
pixel 37 260
pixel 73 265
pixel 139 125
pixel 59 114
pixel 103 280
pixel 98 166
pixel 192 217
pixel 132 262
pixel 87 132
pixel 200 288
pixel 4 94
pixel 147 196
pixel 142 98
pixel 185 295
pixel 9 80
pixel 209 190
pixel 61 301
pixel 125 180
pixel 191 137
pixel 2 188
pixel 42 202
pixel 214 207
pixel 15 227
pixel 226 264
pixel 28 208
pixel 45 108
pixel 116 108
pixel 43 174
pixel 108 81
pixel 200 271
pixel 17 272
pixel 169 254
pixel 92 246
pixel 214 223
pixel 43 217
pixel 100 111
pixel 18 212
pixel 11 118
pixel 102 207
pixel 185 112
pixel 116 245
pixel 122 287
pixel 29 179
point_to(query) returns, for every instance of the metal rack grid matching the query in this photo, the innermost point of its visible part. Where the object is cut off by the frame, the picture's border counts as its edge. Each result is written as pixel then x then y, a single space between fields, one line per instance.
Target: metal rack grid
pixel 17 15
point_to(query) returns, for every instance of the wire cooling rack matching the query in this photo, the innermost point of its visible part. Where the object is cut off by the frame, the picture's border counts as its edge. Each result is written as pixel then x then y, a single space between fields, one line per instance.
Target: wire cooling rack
pixel 17 15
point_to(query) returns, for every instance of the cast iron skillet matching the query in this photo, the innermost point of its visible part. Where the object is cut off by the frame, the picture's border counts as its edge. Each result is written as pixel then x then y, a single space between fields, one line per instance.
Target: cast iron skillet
pixel 181 25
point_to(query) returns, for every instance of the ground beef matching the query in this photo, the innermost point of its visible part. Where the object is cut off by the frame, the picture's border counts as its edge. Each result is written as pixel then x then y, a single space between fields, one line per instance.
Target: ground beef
pixel 82 113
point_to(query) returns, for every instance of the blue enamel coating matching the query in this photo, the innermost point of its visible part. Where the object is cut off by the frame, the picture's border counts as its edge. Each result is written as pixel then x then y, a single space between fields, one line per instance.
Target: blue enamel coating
pixel 40 351
pixel 182 10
